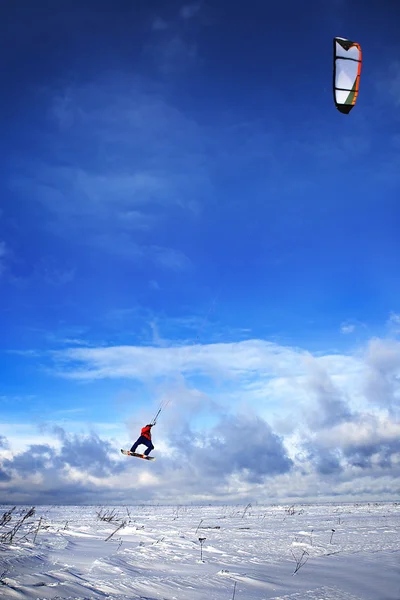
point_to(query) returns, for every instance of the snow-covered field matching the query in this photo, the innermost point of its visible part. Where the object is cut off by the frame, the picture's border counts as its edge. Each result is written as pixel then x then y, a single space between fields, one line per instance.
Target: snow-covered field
pixel 352 552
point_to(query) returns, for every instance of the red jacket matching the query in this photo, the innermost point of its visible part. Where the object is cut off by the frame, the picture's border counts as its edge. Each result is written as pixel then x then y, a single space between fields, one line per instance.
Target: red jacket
pixel 146 432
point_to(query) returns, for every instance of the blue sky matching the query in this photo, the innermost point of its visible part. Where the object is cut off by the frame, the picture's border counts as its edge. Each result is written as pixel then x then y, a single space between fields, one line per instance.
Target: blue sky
pixel 185 216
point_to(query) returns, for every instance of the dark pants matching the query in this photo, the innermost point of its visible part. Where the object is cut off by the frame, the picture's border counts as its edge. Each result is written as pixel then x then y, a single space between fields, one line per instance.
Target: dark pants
pixel 146 442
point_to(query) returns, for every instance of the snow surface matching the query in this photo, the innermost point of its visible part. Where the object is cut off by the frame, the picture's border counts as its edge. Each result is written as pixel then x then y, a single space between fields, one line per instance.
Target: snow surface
pixel 249 553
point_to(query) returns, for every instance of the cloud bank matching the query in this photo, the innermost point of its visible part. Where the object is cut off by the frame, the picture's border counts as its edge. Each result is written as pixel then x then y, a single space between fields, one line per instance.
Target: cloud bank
pixel 277 424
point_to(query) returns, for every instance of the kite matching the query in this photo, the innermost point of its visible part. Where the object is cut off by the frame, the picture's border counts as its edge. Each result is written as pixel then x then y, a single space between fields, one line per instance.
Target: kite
pixel 347 58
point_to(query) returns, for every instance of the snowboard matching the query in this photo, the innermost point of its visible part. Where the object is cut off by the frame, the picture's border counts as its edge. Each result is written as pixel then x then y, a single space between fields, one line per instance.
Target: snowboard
pixel 129 453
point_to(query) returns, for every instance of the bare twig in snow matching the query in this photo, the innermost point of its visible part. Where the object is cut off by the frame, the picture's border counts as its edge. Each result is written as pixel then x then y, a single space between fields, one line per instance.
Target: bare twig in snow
pixel 246 509
pixel 37 530
pixel 6 517
pixel 108 516
pixel 114 532
pixel 300 561
pixel 198 526
pixel 234 591
pixel 8 536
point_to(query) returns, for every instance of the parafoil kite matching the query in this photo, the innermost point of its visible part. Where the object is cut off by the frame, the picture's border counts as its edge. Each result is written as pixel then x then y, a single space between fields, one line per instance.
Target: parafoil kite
pixel 347 58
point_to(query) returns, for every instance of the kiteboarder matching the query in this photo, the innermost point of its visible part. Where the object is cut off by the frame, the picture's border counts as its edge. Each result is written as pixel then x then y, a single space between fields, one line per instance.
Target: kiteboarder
pixel 145 439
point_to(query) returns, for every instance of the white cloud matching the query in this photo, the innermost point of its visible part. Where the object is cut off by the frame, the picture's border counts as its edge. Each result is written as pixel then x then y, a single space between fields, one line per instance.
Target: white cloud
pixel 394 323
pixel 242 359
pixel 394 318
pixel 154 285
pixel 382 383
pixel 317 422
pixel 21 435
pixel 174 56
pixel 159 24
pixel 52 274
pixel 169 258
pixel 150 172
pixel 366 430
pixel 280 382
pixel 188 11
pixel 285 384
pixel 352 325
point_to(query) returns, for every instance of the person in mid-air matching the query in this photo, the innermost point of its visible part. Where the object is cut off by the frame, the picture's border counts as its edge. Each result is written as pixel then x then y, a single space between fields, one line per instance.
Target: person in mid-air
pixel 145 439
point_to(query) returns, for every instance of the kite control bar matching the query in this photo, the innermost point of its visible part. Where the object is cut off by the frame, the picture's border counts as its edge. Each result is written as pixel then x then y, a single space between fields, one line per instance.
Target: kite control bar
pixel 154 421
